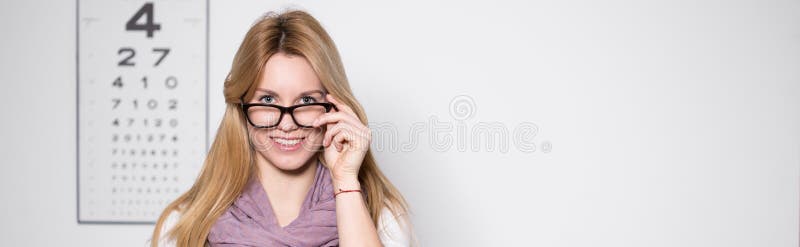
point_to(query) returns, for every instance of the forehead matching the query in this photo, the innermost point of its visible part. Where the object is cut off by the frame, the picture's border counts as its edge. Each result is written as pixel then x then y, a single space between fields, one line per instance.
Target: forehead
pixel 288 75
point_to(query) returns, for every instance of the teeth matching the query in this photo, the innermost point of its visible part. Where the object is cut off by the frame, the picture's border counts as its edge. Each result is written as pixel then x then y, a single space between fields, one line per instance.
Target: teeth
pixel 287 141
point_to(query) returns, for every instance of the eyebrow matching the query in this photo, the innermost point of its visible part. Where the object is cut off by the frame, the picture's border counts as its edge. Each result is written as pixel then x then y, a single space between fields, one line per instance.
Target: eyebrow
pixel 309 92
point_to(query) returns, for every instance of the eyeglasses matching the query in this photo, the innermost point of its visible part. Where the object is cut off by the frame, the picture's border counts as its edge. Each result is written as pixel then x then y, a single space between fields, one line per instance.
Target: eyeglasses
pixel 262 115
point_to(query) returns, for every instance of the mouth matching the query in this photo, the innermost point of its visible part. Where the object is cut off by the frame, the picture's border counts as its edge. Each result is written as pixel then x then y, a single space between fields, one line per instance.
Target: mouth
pixel 285 143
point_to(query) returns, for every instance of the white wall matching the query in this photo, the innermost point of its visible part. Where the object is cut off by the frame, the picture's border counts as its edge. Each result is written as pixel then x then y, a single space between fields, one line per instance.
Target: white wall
pixel 672 123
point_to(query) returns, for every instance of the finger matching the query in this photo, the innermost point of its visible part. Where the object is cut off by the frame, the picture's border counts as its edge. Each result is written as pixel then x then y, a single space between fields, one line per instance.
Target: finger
pixel 361 138
pixel 339 139
pixel 358 138
pixel 344 108
pixel 339 104
pixel 331 132
pixel 334 117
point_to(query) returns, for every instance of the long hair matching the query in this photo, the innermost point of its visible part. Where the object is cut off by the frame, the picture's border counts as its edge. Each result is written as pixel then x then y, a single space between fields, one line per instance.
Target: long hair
pixel 230 160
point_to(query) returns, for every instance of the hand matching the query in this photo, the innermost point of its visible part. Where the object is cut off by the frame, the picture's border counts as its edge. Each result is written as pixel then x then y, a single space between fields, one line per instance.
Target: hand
pixel 346 141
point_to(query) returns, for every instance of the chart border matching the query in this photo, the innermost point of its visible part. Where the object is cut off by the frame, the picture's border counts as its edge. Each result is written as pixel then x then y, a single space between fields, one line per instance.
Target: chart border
pixel 77 117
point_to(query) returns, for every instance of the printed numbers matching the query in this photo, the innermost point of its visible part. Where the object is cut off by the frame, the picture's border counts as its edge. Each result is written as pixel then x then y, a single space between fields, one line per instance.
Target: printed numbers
pixel 127 60
pixel 127 54
pixel 169 83
pixel 164 52
pixel 149 26
pixel 142 106
pixel 144 114
pixel 149 104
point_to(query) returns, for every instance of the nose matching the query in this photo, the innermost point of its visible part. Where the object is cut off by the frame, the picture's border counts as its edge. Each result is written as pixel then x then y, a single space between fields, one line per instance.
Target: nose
pixel 287 123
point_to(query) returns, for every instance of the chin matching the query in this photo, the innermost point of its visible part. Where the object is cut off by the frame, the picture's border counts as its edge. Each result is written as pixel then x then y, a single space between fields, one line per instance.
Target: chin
pixel 289 162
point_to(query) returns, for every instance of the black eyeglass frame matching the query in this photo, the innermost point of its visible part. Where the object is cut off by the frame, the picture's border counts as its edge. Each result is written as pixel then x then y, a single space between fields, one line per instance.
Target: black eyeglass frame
pixel 283 109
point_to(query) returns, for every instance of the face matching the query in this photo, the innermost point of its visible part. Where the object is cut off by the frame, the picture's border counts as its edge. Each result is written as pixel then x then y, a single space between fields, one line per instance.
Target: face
pixel 286 80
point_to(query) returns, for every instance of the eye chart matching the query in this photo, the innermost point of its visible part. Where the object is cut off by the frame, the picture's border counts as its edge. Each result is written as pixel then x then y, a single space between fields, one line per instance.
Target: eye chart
pixel 142 105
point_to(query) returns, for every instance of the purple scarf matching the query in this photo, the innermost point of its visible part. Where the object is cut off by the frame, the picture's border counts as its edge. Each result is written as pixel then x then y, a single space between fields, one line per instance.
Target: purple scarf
pixel 250 221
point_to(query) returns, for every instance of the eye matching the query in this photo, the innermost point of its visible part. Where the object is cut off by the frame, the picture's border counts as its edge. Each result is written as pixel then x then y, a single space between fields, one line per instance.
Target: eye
pixel 266 99
pixel 307 100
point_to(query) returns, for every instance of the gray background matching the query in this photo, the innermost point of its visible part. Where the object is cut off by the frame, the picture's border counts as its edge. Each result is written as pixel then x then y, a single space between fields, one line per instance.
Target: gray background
pixel 671 123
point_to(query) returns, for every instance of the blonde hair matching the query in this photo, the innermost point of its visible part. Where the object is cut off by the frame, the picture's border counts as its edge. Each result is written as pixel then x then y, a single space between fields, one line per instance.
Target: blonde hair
pixel 230 160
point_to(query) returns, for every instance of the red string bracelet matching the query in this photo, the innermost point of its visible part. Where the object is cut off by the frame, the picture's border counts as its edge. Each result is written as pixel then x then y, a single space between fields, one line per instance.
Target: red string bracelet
pixel 344 191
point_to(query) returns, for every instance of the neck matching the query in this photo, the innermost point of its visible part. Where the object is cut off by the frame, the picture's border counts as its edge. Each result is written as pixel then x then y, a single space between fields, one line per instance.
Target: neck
pixel 286 186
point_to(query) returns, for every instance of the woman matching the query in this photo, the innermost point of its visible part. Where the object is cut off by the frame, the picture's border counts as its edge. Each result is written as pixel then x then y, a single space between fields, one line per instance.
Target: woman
pixel 290 165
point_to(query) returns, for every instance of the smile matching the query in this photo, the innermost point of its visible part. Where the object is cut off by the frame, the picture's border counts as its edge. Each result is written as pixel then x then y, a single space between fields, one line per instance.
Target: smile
pixel 288 144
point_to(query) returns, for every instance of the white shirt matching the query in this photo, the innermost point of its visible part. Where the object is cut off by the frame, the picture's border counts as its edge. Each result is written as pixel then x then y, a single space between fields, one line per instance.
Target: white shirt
pixel 390 230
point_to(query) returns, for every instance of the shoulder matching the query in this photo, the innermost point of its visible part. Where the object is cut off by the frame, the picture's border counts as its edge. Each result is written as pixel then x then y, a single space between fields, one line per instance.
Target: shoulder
pixel 395 231
pixel 169 223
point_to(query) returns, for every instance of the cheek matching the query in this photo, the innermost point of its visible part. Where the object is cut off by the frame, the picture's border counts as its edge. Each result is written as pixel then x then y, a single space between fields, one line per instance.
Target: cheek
pixel 260 139
pixel 315 137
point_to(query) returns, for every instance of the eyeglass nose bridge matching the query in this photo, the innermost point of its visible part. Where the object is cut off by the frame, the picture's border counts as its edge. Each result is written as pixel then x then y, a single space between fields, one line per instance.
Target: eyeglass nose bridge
pixel 289 110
